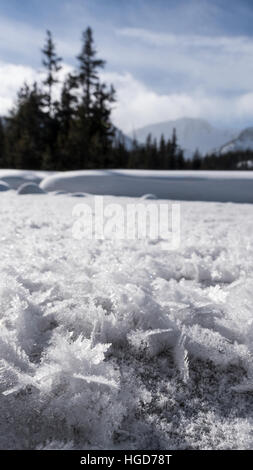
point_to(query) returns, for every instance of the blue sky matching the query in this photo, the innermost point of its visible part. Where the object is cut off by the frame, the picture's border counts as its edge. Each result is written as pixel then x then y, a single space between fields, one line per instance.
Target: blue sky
pixel 167 58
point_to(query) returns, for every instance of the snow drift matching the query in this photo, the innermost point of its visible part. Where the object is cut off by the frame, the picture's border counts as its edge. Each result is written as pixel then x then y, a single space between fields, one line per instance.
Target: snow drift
pixel 15 178
pixel 185 185
pixel 119 344
pixel 30 188
pixel 4 186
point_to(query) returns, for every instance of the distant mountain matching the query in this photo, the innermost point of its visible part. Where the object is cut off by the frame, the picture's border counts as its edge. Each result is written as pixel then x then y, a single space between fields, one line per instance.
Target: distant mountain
pixel 243 142
pixel 192 134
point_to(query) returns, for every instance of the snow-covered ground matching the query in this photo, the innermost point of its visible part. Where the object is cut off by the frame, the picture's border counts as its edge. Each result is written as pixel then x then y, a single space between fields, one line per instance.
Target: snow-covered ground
pixel 118 343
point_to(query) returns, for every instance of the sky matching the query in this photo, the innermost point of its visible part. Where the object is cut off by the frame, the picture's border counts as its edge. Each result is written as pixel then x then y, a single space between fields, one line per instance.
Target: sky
pixel 166 58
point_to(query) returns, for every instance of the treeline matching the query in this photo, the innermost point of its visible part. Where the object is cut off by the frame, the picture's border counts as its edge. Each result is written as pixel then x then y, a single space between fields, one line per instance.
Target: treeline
pixel 66 125
pixel 162 155
pixel 167 155
pixel 236 160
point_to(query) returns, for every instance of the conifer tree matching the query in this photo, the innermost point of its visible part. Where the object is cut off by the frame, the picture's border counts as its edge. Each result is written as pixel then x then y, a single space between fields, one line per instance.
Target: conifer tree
pixel 103 127
pixel 25 140
pixel 2 144
pixel 52 63
pixel 162 153
pixel 174 142
pixel 93 126
pixel 196 160
pixel 89 66
pixel 180 161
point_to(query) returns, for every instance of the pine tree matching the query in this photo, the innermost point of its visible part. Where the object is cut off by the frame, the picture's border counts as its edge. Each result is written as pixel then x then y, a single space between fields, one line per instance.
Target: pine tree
pixel 103 128
pixel 68 103
pixel 25 139
pixel 174 142
pixel 66 153
pixel 52 63
pixel 93 126
pixel 88 69
pixel 162 153
pixel 180 161
pixel 2 144
pixel 196 160
pixel 120 152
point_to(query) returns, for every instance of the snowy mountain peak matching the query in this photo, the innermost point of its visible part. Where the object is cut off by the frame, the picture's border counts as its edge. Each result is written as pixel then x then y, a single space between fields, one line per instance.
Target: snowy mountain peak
pixel 192 134
pixel 243 142
pixel 246 134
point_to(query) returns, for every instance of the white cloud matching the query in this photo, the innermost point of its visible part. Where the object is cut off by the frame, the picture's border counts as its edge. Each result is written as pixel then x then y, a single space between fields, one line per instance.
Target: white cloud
pixel 214 63
pixel 13 76
pixel 137 105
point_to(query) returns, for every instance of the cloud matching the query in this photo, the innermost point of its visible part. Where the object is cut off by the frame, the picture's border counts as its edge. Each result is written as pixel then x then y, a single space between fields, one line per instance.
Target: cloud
pixel 214 63
pixel 138 105
pixel 13 76
pixel 229 44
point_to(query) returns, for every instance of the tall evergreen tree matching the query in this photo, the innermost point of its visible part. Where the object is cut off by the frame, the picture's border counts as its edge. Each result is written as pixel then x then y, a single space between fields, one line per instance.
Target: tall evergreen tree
pixel 102 125
pixel 93 126
pixel 2 144
pixel 89 66
pixel 66 152
pixel 53 65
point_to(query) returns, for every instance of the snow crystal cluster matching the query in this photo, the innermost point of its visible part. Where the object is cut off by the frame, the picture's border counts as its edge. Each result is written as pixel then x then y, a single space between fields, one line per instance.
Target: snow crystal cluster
pixel 115 344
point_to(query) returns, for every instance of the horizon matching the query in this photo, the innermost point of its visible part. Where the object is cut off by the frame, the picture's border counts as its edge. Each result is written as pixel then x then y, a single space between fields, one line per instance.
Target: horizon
pixel 169 61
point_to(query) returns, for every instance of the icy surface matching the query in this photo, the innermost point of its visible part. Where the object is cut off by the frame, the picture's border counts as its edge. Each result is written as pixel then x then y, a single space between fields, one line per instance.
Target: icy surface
pixel 120 344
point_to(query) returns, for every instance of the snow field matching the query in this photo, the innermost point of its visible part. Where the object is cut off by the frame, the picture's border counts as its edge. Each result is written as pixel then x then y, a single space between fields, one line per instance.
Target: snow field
pixel 119 344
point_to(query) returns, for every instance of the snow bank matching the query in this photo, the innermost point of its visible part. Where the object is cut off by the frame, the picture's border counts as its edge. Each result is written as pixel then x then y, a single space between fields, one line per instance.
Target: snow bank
pixel 182 185
pixel 16 178
pixel 120 344
pixel 219 186
pixel 30 188
pixel 4 186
